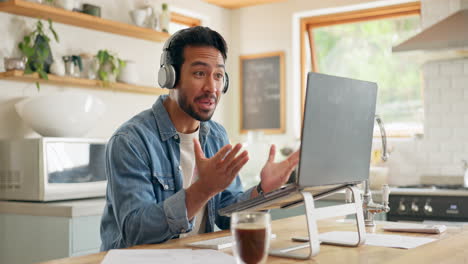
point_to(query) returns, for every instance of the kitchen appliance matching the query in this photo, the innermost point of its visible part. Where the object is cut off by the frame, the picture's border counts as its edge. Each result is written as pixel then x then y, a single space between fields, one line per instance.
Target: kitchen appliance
pixel 48 169
pixel 429 202
pixel 442 35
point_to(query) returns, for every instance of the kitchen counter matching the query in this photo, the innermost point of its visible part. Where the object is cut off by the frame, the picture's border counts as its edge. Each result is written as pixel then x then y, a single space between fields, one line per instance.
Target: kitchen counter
pixel 341 196
pixel 450 246
pixel 95 206
pixel 72 208
pixel 429 191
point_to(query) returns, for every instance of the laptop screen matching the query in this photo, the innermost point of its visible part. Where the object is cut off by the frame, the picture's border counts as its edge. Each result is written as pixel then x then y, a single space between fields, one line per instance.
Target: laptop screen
pixel 337 130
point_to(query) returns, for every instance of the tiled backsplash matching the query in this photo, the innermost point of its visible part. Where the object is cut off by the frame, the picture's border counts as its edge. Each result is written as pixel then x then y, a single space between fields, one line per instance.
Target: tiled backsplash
pixel 445 141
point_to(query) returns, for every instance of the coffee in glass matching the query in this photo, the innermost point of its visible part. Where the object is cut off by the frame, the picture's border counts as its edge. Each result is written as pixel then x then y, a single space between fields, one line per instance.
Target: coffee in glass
pixel 251 233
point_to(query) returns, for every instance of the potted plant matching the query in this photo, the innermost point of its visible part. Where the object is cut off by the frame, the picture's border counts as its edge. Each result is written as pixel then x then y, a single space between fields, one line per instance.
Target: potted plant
pixel 35 47
pixel 109 66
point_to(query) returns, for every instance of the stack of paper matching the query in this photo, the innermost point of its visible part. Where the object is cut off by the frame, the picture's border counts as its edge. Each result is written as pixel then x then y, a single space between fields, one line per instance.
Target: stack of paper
pixel 382 240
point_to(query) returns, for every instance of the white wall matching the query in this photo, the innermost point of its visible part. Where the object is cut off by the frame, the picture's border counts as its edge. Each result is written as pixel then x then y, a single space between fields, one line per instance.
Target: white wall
pixel 74 40
pixel 251 30
pixel 269 28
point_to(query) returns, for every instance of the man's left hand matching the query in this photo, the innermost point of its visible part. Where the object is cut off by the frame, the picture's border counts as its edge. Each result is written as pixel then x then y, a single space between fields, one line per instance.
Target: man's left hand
pixel 274 175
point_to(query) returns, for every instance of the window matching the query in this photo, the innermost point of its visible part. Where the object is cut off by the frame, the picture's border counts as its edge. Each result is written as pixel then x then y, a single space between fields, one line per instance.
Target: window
pixel 359 45
pixel 179 21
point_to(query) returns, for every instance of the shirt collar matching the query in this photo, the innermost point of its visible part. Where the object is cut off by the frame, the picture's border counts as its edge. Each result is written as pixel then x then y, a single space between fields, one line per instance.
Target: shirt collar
pixel 164 122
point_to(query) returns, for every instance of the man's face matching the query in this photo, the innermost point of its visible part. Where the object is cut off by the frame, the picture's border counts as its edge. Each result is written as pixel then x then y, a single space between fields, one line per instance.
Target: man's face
pixel 201 82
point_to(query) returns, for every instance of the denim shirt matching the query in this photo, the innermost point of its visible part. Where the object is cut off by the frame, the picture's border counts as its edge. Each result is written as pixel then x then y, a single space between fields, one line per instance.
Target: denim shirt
pixel 145 201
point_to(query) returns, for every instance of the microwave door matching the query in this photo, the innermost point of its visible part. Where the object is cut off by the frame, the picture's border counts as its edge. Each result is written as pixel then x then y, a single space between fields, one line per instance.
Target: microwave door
pixel 75 169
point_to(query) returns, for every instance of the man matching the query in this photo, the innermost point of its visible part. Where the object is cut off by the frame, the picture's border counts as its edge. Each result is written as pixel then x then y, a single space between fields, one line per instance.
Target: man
pixel 170 168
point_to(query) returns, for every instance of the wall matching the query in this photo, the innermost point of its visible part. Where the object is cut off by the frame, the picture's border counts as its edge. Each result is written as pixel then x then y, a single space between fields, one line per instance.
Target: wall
pixel 445 143
pixel 244 30
pixel 253 30
pixel 443 146
pixel 73 40
pixel 268 28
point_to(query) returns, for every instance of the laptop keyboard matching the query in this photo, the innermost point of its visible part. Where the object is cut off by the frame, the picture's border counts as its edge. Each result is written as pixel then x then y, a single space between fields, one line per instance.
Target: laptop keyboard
pixel 260 199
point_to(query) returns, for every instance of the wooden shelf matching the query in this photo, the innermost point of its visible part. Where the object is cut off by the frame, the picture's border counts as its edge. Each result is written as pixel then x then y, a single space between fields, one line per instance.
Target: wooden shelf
pixel 16 75
pixel 30 9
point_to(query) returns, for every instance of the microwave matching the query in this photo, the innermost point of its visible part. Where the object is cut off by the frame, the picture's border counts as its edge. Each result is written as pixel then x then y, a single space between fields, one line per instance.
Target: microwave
pixel 50 169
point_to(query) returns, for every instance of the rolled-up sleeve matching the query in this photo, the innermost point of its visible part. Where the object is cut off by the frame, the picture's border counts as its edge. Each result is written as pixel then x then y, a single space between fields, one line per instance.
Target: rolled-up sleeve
pixel 140 217
pixel 231 195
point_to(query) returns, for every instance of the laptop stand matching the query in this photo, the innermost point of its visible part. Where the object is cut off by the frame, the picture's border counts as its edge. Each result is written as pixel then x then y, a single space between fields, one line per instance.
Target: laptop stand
pixel 313 214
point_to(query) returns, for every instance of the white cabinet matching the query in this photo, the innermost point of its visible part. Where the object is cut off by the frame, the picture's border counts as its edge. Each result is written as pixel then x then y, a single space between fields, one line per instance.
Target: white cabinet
pixel 28 238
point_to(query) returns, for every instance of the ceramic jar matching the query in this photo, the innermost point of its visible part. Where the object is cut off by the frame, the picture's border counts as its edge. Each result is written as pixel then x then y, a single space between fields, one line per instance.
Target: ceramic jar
pixel 65 4
pixel 58 67
pixel 139 16
pixel 128 74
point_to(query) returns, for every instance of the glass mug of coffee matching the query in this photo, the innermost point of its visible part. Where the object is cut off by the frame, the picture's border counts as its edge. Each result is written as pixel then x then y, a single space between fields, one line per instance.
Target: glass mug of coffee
pixel 251 232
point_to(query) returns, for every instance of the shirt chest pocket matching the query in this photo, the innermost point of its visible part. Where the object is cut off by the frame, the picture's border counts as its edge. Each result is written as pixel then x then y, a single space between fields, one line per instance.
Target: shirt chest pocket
pixel 163 185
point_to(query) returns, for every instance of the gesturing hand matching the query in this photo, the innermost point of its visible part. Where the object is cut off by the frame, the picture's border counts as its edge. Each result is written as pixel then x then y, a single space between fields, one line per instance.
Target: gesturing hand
pixel 274 175
pixel 217 172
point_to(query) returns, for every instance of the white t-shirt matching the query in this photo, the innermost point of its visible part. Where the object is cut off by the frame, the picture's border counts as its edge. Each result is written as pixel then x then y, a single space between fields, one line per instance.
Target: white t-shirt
pixel 187 163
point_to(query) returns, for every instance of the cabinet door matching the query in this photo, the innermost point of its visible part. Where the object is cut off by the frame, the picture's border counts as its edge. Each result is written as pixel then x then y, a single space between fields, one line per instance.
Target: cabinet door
pixel 31 239
pixel 85 234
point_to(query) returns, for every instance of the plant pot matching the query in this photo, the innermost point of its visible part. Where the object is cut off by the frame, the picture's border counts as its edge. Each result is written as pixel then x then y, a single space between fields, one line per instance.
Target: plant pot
pixel 129 73
pixel 41 42
pixel 111 77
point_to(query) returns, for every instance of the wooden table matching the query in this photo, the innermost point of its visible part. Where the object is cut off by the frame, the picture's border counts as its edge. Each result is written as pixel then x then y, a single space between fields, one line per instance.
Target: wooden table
pixel 451 246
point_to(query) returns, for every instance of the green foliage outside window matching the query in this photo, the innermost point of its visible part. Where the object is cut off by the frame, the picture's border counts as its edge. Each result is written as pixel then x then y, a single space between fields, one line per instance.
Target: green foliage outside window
pixel 363 51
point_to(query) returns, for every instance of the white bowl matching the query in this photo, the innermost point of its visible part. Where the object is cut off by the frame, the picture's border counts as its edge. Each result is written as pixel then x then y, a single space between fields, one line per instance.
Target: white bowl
pixel 64 114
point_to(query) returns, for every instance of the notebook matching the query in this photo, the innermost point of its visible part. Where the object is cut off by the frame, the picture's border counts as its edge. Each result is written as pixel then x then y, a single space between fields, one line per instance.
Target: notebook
pixel 336 142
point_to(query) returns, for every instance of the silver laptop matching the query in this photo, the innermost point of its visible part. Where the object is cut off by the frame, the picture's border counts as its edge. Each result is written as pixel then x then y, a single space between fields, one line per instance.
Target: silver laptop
pixel 336 142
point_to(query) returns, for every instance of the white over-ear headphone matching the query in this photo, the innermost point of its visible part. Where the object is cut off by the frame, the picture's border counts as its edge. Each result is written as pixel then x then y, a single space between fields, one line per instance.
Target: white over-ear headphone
pixel 167 74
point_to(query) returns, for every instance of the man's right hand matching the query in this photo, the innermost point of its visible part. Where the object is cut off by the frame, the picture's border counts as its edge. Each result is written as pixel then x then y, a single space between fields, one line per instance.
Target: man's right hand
pixel 216 173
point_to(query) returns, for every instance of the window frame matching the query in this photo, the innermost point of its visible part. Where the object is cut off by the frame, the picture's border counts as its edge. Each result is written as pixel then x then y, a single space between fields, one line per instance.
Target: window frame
pixel 308 24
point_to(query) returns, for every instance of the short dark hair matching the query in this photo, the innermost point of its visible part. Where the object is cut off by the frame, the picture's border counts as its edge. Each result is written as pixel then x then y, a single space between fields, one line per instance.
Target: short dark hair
pixel 194 36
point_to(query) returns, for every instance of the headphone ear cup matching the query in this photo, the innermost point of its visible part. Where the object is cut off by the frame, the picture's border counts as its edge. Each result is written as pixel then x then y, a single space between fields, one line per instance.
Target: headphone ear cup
pixel 226 83
pixel 166 76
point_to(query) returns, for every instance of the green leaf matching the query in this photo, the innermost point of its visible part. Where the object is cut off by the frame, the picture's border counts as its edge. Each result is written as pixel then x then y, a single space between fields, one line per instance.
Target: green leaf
pixel 103 75
pixel 38 86
pixel 40 54
pixel 122 63
pixel 28 51
pixel 45 53
pixel 27 40
pixel 28 70
pixel 43 75
pixel 51 28
pixel 37 65
pixel 46 38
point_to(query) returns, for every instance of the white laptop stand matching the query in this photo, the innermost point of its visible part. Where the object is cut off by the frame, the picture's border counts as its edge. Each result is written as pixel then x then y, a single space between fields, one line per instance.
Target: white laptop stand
pixel 313 214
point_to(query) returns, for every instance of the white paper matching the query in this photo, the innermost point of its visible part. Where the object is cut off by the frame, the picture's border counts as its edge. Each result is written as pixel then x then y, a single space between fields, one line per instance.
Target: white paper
pixel 210 256
pixel 383 240
pixel 151 256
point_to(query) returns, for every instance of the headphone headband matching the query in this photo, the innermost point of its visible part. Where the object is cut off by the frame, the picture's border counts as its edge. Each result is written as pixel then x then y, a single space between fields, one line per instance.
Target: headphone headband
pixel 167 73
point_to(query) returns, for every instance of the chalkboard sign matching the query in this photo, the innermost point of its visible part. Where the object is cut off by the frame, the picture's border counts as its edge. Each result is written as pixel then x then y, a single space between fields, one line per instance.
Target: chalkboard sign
pixel 262 93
